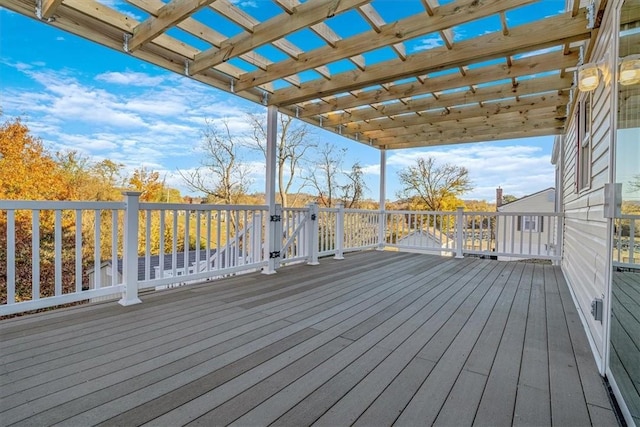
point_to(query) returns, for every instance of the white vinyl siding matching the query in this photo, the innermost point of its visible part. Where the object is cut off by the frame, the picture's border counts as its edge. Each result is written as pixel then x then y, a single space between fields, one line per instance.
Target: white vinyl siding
pixel 584 260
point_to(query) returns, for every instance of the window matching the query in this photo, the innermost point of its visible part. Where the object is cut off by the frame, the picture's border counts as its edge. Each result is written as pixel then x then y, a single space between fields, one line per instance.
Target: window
pixel 583 162
pixel 532 223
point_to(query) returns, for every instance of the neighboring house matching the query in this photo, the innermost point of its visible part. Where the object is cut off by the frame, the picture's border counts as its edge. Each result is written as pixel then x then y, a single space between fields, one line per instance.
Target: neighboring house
pixel 425 240
pixel 148 272
pixel 528 234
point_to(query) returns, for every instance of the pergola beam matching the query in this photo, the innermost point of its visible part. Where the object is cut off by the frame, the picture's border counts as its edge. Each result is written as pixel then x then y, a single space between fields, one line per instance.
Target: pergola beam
pixel 547 33
pixel 168 16
pixel 276 28
pixel 496 121
pixel 48 8
pixel 520 105
pixel 542 120
pixel 464 139
pixel 449 100
pixel 520 67
pixel 450 15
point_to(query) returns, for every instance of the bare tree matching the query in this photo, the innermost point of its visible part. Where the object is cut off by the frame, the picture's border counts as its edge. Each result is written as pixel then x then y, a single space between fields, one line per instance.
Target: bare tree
pixel 634 183
pixel 331 182
pixel 353 191
pixel 434 184
pixel 293 143
pixel 325 172
pixel 222 177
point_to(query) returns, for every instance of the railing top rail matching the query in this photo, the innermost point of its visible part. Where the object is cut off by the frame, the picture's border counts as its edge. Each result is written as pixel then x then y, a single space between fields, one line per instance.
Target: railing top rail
pixel 519 213
pixel 200 207
pixel 328 210
pixel 406 212
pixel 295 209
pixel 57 205
pixel 628 216
pixel 369 211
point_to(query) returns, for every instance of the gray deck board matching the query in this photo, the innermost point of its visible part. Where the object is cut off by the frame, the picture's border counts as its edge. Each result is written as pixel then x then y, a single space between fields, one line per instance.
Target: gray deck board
pixel 377 339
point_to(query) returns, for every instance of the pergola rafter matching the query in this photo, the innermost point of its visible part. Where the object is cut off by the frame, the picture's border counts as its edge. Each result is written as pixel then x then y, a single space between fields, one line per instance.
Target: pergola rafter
pixel 512 82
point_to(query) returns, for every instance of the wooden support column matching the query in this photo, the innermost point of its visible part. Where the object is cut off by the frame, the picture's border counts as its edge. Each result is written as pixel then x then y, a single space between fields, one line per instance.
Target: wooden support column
pixel 382 221
pixel 271 242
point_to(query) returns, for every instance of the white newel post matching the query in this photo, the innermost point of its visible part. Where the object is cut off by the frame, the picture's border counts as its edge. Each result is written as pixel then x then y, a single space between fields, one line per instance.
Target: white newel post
pixel 459 232
pixel 339 237
pixel 130 249
pixel 271 245
pixel 382 219
pixel 312 234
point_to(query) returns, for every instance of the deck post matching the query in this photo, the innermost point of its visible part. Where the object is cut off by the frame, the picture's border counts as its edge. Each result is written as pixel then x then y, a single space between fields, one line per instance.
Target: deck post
pixel 312 234
pixel 339 237
pixel 130 248
pixel 271 236
pixel 459 232
pixel 382 222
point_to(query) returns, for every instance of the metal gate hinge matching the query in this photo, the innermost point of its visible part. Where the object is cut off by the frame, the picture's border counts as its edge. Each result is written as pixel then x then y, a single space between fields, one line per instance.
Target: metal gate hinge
pixel 275 218
pixel 274 254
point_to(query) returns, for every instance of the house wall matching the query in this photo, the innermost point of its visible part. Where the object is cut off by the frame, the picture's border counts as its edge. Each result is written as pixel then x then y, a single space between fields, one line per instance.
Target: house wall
pixel 543 202
pixel 585 234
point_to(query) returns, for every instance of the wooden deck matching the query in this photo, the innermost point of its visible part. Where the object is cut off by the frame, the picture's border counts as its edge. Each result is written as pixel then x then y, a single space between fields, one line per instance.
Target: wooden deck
pixel 380 338
pixel 625 338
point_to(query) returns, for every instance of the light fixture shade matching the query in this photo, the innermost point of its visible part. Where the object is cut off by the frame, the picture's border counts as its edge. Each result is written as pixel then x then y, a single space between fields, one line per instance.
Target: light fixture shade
pixel 630 70
pixel 588 77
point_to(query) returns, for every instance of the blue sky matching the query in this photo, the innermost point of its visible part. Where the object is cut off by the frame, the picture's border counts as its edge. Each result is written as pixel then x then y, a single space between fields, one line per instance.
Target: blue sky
pixel 77 95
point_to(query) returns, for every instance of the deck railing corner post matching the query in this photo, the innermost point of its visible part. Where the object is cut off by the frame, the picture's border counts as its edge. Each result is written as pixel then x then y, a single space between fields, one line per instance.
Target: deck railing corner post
pixel 459 232
pixel 130 249
pixel 339 237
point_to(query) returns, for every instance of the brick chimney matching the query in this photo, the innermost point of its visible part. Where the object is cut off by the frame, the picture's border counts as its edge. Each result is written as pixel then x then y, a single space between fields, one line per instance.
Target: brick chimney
pixel 498 197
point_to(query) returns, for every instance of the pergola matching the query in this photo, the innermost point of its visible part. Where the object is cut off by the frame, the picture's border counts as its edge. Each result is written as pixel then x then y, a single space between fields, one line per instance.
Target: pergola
pixel 511 83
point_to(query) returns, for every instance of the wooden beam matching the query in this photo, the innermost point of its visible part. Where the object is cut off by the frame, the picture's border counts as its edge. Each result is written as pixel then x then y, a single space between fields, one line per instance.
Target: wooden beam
pixel 521 67
pixel 521 105
pixel 447 16
pixel 209 35
pixel 465 139
pixel 305 15
pixel 447 100
pixel 102 25
pixel 49 8
pixel 479 126
pixel 546 33
pixel 472 122
pixel 168 16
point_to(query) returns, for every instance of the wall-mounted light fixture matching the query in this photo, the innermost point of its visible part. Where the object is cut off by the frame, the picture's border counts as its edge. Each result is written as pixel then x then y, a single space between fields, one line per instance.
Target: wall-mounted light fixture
pixel 589 74
pixel 630 70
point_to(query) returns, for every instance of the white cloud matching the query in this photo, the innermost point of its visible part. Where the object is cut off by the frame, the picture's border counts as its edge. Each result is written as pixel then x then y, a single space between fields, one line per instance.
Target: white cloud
pixel 121 7
pixel 429 43
pixel 244 3
pixel 130 78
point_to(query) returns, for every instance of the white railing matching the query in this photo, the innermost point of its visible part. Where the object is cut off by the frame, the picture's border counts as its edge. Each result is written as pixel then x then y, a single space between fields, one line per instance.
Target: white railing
pixel 67 245
pixel 626 242
pixel 513 235
pixel 185 243
pixel 295 233
pixel 420 231
pixel 64 252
